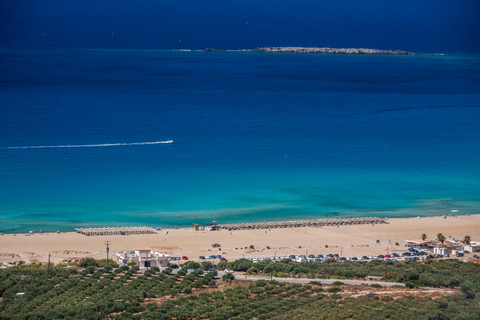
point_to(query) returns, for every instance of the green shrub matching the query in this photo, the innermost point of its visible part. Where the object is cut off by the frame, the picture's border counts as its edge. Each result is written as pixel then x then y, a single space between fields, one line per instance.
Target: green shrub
pixel 334 289
pixel 182 272
pixel 217 295
pixel 252 270
pixel 228 277
pixel 257 290
pixel 206 265
pixel 87 262
pixel 192 265
pixel 390 276
pixel 411 275
pixel 468 291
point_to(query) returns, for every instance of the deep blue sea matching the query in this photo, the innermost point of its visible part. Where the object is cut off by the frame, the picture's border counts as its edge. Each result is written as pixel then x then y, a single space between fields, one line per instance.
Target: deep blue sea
pixel 256 136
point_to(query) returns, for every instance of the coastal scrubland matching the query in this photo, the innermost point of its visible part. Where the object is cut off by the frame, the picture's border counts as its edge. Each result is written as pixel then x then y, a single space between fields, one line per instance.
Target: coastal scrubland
pixel 446 289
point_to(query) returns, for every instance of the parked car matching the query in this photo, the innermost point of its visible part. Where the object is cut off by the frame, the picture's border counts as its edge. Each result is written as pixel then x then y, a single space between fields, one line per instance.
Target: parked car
pixel 228 271
pixel 184 258
pixel 201 257
pixel 475 256
pixel 173 266
pixel 223 259
pixel 215 245
pixel 218 256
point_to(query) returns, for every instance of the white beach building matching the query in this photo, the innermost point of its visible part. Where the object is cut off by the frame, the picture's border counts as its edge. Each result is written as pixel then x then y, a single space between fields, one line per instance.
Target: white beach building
pixel 473 246
pixel 449 246
pixel 418 244
pixel 143 258
pixel 442 250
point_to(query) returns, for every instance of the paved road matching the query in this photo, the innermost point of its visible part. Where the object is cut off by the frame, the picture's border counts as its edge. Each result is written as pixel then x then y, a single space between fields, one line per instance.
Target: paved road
pixel 323 281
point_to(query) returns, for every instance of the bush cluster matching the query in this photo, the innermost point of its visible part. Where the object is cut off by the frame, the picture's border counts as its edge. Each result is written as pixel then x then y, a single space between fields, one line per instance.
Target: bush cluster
pixel 124 293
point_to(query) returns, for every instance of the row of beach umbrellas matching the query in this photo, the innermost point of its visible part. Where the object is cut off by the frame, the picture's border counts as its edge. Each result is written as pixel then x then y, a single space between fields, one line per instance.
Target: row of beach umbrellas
pixel 300 223
pixel 115 231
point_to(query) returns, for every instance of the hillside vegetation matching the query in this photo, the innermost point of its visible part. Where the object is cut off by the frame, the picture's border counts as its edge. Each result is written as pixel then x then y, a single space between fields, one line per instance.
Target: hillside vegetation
pixel 125 293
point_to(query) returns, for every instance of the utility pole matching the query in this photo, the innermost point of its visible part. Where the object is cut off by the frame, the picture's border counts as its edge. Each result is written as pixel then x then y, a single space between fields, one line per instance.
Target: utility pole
pixel 107 243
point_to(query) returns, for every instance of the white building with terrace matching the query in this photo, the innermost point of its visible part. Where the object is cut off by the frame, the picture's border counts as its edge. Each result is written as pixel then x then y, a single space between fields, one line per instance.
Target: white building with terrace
pixel 143 258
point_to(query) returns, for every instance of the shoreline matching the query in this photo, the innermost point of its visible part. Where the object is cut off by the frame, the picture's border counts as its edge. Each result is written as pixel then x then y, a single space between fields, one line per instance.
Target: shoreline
pixel 345 240
pixel 189 220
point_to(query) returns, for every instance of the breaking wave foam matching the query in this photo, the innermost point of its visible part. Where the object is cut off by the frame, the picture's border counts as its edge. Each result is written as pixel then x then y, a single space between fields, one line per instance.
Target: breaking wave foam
pixel 92 145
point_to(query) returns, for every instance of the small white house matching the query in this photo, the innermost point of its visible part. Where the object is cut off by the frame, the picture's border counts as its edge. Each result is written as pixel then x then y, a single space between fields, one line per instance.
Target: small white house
pixel 442 250
pixel 471 247
pixel 142 258
pixel 449 247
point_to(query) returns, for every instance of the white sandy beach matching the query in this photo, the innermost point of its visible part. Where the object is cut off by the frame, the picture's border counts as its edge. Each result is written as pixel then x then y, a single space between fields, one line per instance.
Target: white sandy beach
pixel 353 240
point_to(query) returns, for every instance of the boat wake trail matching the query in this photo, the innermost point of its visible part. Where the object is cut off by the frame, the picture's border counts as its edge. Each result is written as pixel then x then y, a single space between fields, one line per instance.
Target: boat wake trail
pixel 92 145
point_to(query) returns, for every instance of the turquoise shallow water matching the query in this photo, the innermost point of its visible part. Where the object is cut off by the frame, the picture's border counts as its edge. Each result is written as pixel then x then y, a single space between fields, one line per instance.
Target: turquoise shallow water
pixel 255 137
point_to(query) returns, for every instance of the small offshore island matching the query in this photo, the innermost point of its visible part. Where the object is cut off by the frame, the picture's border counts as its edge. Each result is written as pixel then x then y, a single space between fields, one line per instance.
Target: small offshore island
pixel 314 50
pixel 326 50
